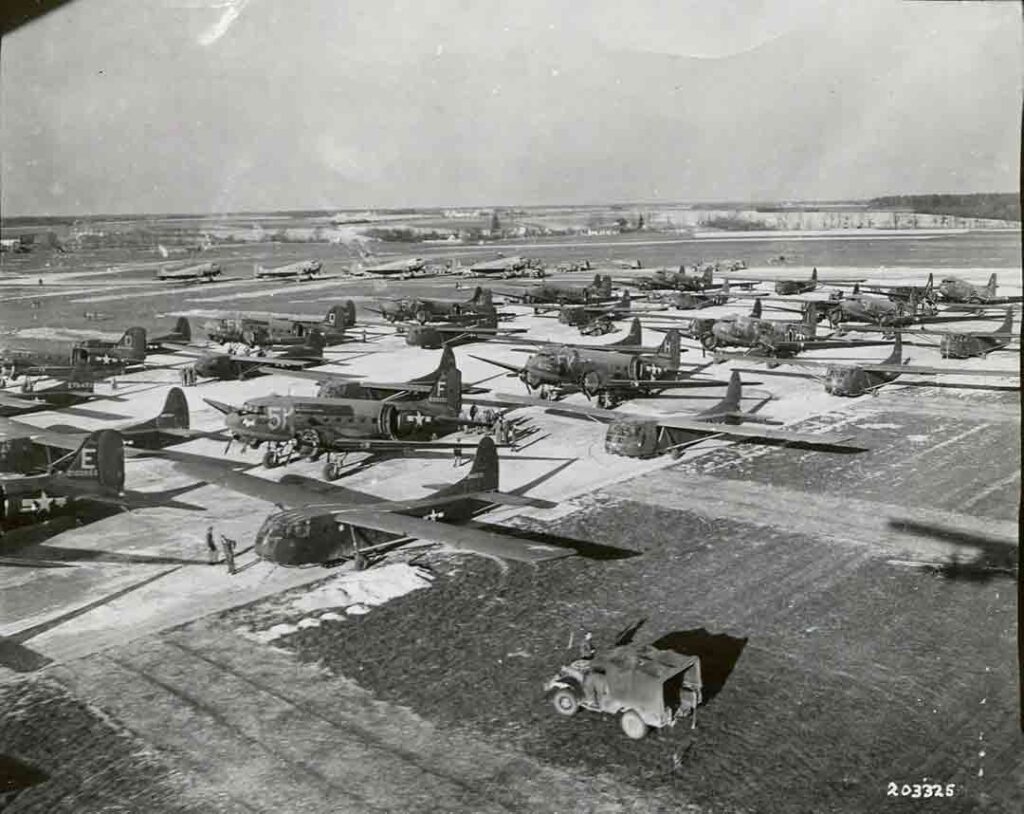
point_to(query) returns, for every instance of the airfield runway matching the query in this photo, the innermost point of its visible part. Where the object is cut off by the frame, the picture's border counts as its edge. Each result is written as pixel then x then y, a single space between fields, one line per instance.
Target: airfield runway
pixel 855 615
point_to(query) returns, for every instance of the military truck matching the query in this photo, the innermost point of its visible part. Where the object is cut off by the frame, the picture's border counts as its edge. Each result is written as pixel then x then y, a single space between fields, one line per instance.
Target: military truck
pixel 648 686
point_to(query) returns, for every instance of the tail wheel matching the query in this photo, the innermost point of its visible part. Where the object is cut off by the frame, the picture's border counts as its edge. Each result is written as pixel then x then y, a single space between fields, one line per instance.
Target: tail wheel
pixel 633 725
pixel 332 471
pixel 709 341
pixel 835 316
pixel 565 702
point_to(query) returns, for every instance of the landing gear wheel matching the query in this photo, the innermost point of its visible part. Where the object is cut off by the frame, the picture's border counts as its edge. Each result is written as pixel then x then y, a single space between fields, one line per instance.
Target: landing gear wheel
pixel 709 341
pixel 360 562
pixel 421 316
pixel 332 470
pixel 565 702
pixel 271 459
pixel 633 725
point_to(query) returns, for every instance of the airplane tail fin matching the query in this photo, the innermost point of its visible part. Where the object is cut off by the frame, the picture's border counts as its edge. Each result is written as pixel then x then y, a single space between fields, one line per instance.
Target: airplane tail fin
pixel 134 341
pixel 669 349
pixel 312 348
pixel 991 287
pixel 481 296
pixel 447 360
pixel 447 387
pixel 183 329
pixel 100 458
pixel 708 277
pixel 755 312
pixel 174 415
pixel 896 357
pixel 482 476
pixel 814 274
pixel 256 269
pixel 635 335
pixel 604 285
pixel 340 317
pixel 811 318
pixel 929 285
pixel 626 301
pixel 1007 326
pixel 856 289
pixel 731 402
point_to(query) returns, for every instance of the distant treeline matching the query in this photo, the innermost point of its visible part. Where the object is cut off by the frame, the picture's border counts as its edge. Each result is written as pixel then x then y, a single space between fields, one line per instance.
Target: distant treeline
pixel 996 205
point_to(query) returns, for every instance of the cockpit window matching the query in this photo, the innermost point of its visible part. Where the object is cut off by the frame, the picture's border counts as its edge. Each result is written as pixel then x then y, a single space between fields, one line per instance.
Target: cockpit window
pixel 300 529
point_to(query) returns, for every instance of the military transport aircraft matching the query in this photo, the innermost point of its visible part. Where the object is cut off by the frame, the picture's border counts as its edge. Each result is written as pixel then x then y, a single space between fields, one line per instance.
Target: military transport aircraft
pixel 456 331
pixel 857 379
pixel 263 330
pixel 82 361
pixel 883 310
pixel 64 394
pixel 612 374
pixel 774 337
pixel 407 416
pixel 644 436
pixel 787 286
pixel 201 273
pixel 241 366
pixel 953 289
pixel 326 524
pixel 302 270
pixel 561 293
pixel 962 345
pixel 27 448
pixel 93 472
pixel 674 279
pixel 597 319
pixel 506 267
pixel 401 269
pixel 422 309
pixel 922 293
pixel 694 300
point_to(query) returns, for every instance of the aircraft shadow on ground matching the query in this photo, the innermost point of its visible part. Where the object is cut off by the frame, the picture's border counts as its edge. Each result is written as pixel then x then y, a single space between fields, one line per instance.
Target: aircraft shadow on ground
pixel 993 557
pixel 584 548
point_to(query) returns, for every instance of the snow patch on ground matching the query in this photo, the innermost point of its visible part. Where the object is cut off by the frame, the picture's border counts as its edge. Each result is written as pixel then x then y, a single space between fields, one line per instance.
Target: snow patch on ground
pixel 880 426
pixel 356 593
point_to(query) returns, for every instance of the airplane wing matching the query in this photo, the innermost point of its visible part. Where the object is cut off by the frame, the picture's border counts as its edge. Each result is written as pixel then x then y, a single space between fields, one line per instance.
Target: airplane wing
pixel 12 430
pixel 460 538
pixel 504 365
pixel 312 375
pixel 691 424
pixel 945 371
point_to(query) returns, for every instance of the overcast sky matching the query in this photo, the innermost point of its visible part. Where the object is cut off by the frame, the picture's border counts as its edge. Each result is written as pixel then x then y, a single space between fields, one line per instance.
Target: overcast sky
pixel 122 106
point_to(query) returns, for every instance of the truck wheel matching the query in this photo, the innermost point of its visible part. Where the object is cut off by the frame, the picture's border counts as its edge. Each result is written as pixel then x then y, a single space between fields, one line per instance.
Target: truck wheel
pixel 633 725
pixel 565 702
pixel 709 341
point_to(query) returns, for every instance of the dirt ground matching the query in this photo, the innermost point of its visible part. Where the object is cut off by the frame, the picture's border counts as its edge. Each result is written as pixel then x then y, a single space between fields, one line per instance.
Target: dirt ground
pixel 855 615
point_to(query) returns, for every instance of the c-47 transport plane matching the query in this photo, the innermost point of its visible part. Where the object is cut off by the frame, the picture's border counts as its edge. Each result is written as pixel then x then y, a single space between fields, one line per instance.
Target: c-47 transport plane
pixel 404 417
pixel 201 273
pixel 83 360
pixel 302 270
pixel 953 289
pixel 92 473
pixel 326 524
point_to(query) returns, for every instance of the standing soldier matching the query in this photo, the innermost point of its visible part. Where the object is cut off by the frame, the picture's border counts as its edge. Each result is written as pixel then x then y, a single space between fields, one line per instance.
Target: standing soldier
pixel 211 546
pixel 228 546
